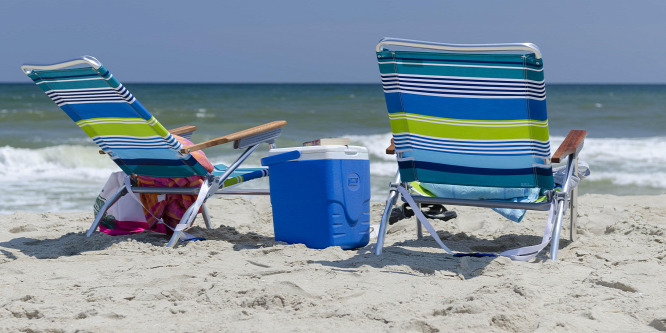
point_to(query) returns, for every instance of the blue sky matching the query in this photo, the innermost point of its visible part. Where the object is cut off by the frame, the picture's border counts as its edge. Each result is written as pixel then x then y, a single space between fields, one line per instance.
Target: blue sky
pixel 314 41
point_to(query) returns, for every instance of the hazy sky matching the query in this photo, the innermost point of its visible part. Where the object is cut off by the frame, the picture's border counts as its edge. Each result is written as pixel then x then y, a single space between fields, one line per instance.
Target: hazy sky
pixel 609 41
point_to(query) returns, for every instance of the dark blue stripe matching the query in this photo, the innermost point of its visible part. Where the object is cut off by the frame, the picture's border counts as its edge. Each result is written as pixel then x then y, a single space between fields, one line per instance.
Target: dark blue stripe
pixel 472 170
pixel 191 161
pixel 435 90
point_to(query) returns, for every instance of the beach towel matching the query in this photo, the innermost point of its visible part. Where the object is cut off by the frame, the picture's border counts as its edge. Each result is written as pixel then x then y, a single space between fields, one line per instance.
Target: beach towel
pixel 170 208
pixel 134 213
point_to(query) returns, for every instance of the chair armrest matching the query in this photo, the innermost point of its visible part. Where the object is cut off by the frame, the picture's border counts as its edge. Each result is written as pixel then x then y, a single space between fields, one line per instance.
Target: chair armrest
pixel 571 144
pixel 183 130
pixel 235 136
pixel 391 149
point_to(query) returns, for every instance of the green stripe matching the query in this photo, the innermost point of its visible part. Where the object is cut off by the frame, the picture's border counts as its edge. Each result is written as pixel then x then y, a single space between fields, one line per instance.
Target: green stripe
pixel 477 132
pixel 137 130
pixel 122 128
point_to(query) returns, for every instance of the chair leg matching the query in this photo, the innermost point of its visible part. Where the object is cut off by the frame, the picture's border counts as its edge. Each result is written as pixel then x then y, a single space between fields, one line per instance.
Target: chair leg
pixel 206 217
pixel 573 211
pixel 419 227
pixel 104 208
pixel 184 223
pixel 555 239
pixel 383 224
pixel 192 211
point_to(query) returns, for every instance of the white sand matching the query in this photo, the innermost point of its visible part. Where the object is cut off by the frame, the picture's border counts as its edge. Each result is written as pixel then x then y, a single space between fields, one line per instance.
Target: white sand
pixel 613 279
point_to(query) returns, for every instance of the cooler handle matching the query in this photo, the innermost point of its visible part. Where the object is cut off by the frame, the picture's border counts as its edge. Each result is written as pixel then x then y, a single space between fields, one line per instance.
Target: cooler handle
pixel 279 158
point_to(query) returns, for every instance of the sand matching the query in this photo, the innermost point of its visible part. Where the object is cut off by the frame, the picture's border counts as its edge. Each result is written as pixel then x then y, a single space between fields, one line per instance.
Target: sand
pixel 612 279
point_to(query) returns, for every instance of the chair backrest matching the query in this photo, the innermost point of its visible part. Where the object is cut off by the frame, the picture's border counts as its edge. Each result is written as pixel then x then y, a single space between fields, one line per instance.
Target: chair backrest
pixel 466 118
pixel 113 118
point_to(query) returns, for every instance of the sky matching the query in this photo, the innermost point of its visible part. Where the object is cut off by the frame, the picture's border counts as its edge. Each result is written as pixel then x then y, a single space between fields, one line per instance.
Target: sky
pixel 267 41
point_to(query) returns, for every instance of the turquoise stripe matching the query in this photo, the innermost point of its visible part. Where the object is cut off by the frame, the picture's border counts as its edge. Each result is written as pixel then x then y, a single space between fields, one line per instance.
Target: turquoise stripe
pixel 475 72
pixel 159 154
pixel 498 162
pixel 465 65
pixel 220 168
pixel 88 84
pixel 430 176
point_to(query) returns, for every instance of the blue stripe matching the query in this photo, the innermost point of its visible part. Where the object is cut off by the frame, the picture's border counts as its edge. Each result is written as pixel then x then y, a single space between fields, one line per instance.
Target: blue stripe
pixel 103 110
pixel 474 108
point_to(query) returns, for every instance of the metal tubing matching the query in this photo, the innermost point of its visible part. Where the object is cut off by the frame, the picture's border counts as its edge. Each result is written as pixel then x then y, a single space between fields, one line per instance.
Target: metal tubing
pixel 460 47
pixel 195 190
pixel 419 227
pixel 176 233
pixel 383 223
pixel 104 208
pixel 206 218
pixel 555 240
pixel 561 207
pixel 573 204
pixel 235 165
pixel 85 60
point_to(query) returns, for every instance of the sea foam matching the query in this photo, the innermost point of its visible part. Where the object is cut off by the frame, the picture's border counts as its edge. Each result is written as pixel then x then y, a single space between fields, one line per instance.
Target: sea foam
pixel 69 177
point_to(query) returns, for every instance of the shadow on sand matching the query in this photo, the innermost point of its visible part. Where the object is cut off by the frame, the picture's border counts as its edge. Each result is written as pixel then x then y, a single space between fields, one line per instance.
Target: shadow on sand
pixel 409 253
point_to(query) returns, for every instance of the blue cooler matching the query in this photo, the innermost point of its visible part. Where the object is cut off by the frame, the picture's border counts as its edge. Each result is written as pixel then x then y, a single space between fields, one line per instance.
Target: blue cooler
pixel 320 195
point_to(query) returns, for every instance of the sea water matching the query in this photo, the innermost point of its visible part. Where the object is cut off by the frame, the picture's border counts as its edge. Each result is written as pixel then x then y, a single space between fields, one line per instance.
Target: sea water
pixel 48 164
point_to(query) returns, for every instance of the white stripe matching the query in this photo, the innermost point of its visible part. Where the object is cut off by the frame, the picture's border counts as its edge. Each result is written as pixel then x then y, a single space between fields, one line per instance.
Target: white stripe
pixel 111 121
pixel 476 90
pixel 471 78
pixel 78 90
pixel 399 135
pixel 453 146
pixel 467 122
pixel 50 81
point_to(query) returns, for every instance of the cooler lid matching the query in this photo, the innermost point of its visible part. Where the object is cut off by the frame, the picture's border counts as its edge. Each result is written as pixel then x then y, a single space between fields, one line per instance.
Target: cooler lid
pixel 325 152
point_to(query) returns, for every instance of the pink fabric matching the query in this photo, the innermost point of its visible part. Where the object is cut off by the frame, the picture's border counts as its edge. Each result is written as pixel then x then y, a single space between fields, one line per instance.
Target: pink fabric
pixel 131 227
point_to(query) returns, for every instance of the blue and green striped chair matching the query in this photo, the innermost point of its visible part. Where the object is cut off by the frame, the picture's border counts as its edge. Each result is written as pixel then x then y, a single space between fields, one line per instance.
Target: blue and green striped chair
pixel 137 142
pixel 473 116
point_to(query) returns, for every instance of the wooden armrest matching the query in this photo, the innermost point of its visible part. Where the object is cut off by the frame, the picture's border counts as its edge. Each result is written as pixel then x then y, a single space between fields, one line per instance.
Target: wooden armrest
pixel 391 149
pixel 182 130
pixel 175 131
pixel 235 136
pixel 569 146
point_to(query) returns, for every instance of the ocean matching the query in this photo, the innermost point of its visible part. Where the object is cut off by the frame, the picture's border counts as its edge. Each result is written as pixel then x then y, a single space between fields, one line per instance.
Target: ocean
pixel 48 164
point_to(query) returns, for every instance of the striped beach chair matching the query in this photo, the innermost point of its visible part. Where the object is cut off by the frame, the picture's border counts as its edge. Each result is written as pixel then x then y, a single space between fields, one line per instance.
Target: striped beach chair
pixel 473 115
pixel 124 130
